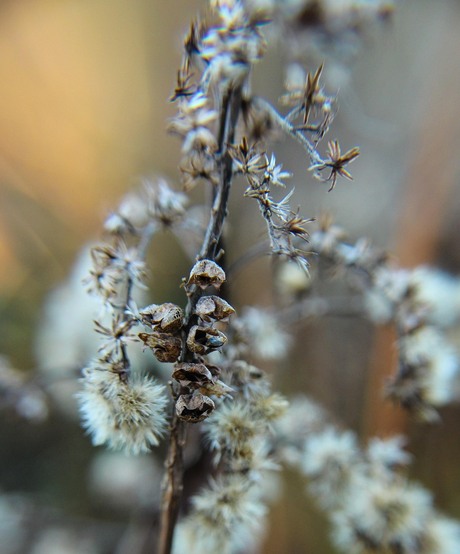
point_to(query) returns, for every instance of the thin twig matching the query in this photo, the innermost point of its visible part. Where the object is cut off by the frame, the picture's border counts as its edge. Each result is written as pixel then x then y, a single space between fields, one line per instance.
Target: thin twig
pixel 290 129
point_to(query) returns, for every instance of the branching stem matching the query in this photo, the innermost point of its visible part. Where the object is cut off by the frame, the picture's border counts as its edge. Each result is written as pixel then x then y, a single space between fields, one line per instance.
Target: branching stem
pixel 173 480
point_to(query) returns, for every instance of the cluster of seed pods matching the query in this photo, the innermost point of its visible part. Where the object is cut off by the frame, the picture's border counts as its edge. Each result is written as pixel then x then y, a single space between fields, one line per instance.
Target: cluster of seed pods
pixel 185 343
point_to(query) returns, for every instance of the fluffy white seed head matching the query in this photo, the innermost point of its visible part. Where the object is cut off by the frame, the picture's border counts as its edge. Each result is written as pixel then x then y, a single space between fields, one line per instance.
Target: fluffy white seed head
pixel 128 416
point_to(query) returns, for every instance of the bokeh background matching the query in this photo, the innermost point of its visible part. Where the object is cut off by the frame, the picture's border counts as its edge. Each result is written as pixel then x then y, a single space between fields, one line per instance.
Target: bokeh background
pixel 83 112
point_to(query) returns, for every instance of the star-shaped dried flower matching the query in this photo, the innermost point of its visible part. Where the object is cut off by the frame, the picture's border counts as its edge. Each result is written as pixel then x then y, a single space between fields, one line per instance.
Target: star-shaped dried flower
pixel 336 163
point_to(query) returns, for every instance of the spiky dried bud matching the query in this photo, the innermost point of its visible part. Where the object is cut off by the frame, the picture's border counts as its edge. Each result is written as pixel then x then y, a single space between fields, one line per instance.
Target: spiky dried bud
pixel 194 407
pixel 206 273
pixel 166 347
pixel 167 317
pixel 192 375
pixel 213 308
pixel 202 340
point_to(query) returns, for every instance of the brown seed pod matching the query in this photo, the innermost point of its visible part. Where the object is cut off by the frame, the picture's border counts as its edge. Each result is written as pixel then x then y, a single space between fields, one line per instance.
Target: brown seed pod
pixel 194 407
pixel 166 317
pixel 206 273
pixel 166 347
pixel 192 375
pixel 202 340
pixel 213 308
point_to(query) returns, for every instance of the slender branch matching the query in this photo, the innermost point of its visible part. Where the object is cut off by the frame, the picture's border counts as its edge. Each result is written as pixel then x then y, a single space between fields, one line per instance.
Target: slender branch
pixel 290 129
pixel 172 484
pixel 173 481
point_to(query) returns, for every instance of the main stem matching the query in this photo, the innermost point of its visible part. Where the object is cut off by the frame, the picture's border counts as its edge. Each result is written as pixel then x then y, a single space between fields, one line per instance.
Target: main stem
pixel 173 480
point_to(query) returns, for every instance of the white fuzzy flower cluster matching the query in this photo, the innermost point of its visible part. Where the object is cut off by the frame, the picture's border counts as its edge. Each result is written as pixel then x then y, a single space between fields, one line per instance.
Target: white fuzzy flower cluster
pixel 422 303
pixel 371 504
pixel 437 292
pixel 228 515
pixel 123 413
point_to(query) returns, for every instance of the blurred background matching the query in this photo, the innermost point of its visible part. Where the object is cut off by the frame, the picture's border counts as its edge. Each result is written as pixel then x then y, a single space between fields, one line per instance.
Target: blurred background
pixel 83 112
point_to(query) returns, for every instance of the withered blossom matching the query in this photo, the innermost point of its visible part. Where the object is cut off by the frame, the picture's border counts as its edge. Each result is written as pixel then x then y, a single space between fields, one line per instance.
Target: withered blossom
pixel 336 163
pixel 203 340
pixel 166 347
pixel 166 317
pixel 194 407
pixel 206 273
pixel 213 308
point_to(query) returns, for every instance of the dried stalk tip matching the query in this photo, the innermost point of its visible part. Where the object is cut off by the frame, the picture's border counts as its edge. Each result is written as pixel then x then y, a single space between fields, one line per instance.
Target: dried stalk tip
pixel 194 407
pixel 202 340
pixel 206 273
pixel 167 317
pixel 213 308
pixel 166 347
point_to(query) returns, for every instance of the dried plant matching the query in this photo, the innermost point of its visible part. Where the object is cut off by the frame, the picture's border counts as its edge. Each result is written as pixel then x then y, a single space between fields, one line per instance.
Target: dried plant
pixel 215 401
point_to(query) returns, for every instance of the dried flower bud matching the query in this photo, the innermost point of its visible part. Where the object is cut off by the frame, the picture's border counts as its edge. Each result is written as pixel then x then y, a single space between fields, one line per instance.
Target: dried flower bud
pixel 195 375
pixel 168 317
pixel 212 308
pixel 202 340
pixel 166 347
pixel 206 273
pixel 194 407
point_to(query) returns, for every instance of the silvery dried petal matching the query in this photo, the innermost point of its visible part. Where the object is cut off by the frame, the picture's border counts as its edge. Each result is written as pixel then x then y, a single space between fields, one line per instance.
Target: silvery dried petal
pixel 166 347
pixel 211 308
pixel 168 317
pixel 206 273
pixel 202 340
pixel 195 375
pixel 194 407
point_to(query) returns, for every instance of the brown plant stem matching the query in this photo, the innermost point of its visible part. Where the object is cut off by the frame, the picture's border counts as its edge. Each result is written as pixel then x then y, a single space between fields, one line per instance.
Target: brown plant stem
pixel 173 480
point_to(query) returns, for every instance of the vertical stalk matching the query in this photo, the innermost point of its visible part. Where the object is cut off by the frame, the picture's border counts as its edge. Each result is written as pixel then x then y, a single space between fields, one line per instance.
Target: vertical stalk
pixel 173 480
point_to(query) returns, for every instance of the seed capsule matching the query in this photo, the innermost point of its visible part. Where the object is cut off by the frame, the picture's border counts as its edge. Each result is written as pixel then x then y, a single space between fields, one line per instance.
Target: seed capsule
pixel 192 375
pixel 202 340
pixel 213 308
pixel 166 347
pixel 165 317
pixel 206 273
pixel 194 407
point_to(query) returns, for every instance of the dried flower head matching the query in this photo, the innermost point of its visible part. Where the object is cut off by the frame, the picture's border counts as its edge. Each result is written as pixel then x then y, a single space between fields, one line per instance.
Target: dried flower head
pixel 194 407
pixel 336 163
pixel 166 347
pixel 167 317
pixel 206 273
pixel 125 415
pixel 203 340
pixel 213 308
pixel 192 375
